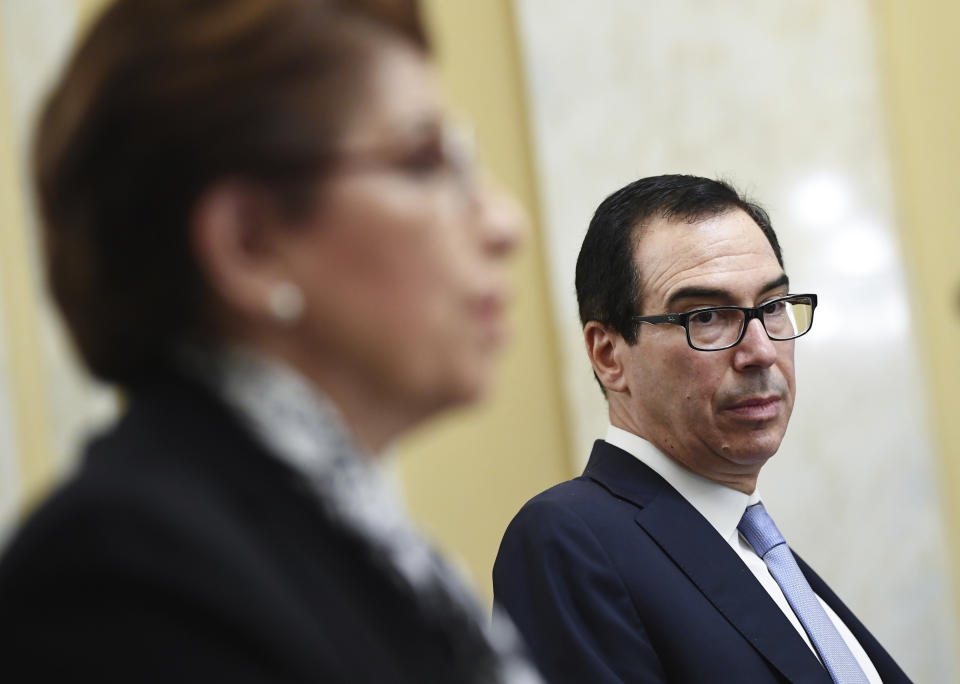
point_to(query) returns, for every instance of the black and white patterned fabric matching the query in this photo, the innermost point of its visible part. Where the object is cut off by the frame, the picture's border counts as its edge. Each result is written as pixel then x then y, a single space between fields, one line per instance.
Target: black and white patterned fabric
pixel 299 425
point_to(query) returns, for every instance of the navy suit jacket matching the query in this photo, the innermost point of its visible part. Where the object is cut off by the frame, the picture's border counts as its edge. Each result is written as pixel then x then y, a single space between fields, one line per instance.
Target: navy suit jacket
pixel 615 577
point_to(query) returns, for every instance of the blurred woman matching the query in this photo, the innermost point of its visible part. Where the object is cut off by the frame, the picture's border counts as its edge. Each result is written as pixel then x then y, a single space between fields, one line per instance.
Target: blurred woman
pixel 260 224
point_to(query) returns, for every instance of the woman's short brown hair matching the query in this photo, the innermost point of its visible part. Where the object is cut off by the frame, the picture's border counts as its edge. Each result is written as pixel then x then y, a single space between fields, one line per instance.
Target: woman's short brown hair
pixel 160 100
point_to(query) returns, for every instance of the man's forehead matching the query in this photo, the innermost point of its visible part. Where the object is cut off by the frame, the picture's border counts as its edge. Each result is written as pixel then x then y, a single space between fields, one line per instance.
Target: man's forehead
pixel 726 252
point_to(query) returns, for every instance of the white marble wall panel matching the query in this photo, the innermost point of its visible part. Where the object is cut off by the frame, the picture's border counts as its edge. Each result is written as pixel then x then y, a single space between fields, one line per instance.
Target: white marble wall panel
pixel 782 99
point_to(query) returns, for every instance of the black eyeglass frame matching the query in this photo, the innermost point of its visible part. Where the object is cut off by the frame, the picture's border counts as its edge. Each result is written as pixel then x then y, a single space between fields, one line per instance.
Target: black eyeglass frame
pixel 749 313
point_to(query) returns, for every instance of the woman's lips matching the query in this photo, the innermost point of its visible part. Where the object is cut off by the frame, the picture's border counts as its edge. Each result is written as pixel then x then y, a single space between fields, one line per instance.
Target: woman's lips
pixel 490 312
pixel 756 408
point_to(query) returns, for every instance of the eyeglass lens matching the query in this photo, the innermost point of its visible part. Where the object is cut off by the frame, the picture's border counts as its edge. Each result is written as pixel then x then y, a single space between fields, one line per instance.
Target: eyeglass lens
pixel 719 328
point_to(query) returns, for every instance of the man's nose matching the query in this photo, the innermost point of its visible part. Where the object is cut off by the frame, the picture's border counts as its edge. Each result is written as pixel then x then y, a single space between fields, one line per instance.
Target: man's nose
pixel 756 349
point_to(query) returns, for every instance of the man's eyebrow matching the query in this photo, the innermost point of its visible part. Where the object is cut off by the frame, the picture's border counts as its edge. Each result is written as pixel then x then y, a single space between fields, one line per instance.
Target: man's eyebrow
pixel 782 281
pixel 697 293
pixel 717 293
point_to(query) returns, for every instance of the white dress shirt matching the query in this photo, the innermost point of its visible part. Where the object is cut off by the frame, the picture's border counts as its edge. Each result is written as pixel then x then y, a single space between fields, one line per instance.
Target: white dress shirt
pixel 723 507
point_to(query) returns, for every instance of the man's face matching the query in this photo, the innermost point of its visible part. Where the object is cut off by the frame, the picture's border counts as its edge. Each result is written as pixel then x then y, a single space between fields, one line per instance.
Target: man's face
pixel 720 413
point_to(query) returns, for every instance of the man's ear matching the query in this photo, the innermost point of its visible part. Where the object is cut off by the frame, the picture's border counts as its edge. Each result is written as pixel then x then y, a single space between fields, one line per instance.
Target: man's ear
pixel 231 231
pixel 603 345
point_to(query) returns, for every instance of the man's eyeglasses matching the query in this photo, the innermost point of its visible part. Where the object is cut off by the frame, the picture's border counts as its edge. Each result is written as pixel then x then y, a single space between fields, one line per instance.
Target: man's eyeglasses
pixel 721 327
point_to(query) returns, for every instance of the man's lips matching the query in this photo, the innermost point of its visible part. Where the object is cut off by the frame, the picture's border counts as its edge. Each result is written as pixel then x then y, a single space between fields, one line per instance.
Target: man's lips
pixel 755 408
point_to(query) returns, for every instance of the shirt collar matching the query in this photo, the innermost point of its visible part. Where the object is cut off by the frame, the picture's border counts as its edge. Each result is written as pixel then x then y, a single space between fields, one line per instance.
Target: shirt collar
pixel 722 506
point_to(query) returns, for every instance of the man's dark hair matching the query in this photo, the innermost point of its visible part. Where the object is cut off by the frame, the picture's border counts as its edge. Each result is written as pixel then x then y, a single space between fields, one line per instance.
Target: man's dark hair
pixel 607 279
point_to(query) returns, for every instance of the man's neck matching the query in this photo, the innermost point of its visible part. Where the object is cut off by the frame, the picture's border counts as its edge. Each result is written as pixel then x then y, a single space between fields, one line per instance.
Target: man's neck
pixel 741 477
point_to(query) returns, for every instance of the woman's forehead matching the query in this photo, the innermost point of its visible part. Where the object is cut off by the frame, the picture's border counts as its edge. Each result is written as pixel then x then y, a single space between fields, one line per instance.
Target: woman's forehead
pixel 400 94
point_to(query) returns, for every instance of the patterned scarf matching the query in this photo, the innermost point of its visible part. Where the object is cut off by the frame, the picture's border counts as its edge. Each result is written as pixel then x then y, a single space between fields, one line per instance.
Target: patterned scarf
pixel 300 426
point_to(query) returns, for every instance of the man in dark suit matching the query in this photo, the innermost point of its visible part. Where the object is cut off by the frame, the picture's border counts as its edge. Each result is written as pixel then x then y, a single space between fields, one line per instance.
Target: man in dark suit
pixel 660 563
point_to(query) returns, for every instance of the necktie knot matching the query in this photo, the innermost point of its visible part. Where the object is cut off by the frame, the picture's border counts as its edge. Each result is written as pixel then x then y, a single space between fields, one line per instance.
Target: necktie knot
pixel 759 530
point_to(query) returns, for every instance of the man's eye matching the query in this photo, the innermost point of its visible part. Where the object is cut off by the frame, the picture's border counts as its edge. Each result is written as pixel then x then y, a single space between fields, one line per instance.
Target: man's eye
pixel 774 308
pixel 704 317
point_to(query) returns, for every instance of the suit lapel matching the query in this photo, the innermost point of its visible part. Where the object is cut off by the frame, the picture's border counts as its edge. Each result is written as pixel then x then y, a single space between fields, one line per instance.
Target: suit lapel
pixel 888 669
pixel 707 560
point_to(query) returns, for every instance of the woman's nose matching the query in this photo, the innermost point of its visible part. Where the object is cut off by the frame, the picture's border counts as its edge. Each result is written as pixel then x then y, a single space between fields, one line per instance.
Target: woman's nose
pixel 503 222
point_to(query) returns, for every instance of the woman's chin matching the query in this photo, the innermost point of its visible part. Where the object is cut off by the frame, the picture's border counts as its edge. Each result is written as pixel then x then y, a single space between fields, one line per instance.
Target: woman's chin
pixel 468 389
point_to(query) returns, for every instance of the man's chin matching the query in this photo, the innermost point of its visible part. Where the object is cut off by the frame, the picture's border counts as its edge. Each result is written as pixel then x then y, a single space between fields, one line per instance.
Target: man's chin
pixel 755 451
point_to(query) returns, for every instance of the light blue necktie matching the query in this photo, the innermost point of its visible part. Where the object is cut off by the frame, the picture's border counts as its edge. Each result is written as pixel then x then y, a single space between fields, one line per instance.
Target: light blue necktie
pixel 759 529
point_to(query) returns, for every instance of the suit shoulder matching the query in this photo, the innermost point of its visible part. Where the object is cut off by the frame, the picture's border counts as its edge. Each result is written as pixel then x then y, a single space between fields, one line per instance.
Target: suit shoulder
pixel 580 497
pixel 570 494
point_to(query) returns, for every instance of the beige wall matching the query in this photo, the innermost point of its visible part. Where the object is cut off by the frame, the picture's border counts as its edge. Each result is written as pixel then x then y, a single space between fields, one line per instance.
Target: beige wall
pixel 921 56
pixel 52 403
pixel 466 477
pixel 19 306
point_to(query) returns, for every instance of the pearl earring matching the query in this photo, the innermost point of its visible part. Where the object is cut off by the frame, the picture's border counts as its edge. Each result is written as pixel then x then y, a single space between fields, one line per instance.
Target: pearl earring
pixel 286 302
